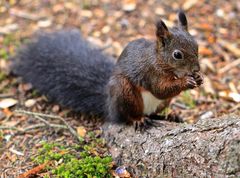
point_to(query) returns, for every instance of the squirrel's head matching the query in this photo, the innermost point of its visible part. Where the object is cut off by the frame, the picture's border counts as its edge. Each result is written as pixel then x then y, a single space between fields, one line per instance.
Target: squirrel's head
pixel 177 47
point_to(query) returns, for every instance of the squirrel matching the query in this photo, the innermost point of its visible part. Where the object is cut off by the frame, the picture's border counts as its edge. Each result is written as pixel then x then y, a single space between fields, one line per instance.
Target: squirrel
pixel 141 83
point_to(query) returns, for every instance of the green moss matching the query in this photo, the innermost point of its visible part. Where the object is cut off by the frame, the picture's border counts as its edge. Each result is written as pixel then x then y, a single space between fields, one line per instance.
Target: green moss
pixel 76 160
pixel 188 100
pixel 2 76
pixel 4 54
pixel 89 166
pixel 9 45
pixel 166 111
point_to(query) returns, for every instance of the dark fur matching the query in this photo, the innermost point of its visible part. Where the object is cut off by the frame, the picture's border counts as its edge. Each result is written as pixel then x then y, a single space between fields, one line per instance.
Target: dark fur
pixel 150 65
pixel 65 68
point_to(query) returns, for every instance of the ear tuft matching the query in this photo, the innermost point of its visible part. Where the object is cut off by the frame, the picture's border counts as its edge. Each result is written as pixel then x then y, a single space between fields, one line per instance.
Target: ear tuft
pixel 162 30
pixel 182 20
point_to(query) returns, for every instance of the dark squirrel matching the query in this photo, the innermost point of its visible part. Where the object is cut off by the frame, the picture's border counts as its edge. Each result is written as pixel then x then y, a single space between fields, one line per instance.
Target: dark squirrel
pixel 68 70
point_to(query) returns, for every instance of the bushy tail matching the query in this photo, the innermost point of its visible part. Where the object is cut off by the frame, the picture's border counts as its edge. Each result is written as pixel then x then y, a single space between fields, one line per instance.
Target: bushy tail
pixel 65 68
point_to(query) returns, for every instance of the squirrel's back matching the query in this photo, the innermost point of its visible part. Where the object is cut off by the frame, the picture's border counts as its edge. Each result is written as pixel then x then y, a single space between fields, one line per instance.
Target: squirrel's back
pixel 67 69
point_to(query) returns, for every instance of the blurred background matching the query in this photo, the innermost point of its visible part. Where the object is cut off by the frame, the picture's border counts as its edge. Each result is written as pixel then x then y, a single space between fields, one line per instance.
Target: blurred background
pixel 111 24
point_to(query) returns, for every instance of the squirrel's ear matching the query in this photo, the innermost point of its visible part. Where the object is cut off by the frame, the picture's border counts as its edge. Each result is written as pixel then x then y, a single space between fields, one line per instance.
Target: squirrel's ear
pixel 182 20
pixel 162 31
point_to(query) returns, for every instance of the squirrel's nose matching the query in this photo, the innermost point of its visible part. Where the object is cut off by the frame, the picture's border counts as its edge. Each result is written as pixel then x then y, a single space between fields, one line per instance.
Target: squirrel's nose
pixel 195 68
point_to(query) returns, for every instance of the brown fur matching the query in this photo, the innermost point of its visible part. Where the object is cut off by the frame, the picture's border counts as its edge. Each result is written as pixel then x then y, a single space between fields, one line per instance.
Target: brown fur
pixel 127 99
pixel 151 66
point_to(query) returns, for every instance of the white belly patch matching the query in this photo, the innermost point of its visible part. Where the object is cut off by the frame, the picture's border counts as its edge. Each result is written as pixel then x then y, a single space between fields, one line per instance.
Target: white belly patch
pixel 150 102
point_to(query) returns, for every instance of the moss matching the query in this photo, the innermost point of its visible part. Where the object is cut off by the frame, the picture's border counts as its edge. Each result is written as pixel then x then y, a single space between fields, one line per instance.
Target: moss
pixel 88 166
pixel 188 100
pixel 2 76
pixel 4 54
pixel 75 160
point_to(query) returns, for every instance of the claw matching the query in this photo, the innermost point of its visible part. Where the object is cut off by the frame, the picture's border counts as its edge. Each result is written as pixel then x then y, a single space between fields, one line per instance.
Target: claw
pixel 145 123
pixel 170 117
pixel 174 118
pixel 198 78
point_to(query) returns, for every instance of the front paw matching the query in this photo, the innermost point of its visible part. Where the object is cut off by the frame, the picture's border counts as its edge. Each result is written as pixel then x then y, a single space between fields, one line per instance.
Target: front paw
pixel 198 78
pixel 190 82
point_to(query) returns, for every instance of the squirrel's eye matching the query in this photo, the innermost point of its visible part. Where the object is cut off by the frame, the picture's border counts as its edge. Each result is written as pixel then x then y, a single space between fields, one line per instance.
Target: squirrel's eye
pixel 177 54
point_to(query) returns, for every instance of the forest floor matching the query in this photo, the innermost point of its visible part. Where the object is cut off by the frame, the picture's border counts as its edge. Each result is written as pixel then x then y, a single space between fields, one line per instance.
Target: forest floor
pixel 109 24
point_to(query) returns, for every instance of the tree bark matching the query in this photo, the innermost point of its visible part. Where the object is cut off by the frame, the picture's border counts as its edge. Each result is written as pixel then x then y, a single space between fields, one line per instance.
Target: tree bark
pixel 209 148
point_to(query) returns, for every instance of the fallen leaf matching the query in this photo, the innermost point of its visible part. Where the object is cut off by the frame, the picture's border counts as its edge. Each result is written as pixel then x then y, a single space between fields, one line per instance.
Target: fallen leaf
pixel 81 131
pixel 8 102
pixel 7 112
pixel 44 23
pixel 230 96
pixel 129 5
pixel 229 66
pixel 55 108
pixel 30 103
pixel 205 51
pixel 159 11
pixel 232 47
pixel 34 170
pixel 232 87
pixel 205 26
pixel 16 152
pixel 206 115
pixel 207 86
pixel 207 64
pixel 86 13
pixel 189 4
pixel 9 28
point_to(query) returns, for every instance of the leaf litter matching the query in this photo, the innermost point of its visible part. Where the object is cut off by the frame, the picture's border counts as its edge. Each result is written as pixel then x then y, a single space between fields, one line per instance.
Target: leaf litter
pixel 107 22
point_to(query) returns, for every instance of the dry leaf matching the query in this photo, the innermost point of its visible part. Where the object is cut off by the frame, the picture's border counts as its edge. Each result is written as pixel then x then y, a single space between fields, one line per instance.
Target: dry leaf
pixel 207 86
pixel 159 11
pixel 206 115
pixel 9 28
pixel 81 131
pixel 207 64
pixel 129 5
pixel 24 14
pixel 230 96
pixel 30 103
pixel 34 170
pixel 7 112
pixel 230 46
pixel 16 152
pixel 8 102
pixel 86 13
pixel 55 108
pixel 189 4
pixel 205 51
pixel 232 87
pixel 229 66
pixel 205 26
pixel 44 23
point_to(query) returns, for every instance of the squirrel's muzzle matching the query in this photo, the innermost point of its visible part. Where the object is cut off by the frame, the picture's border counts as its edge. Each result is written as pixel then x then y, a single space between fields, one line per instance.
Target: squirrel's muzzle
pixel 195 68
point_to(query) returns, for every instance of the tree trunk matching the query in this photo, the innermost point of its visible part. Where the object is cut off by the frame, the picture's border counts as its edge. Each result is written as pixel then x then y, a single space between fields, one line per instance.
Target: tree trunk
pixel 209 148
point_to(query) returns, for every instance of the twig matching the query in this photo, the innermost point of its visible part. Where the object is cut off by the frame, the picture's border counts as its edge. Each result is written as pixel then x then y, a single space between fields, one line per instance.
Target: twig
pixel 235 108
pixel 25 15
pixel 8 128
pixel 229 66
pixel 72 131
pixel 180 105
pixel 51 125
pixel 33 127
pixel 230 46
pixel 6 95
pixel 44 125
